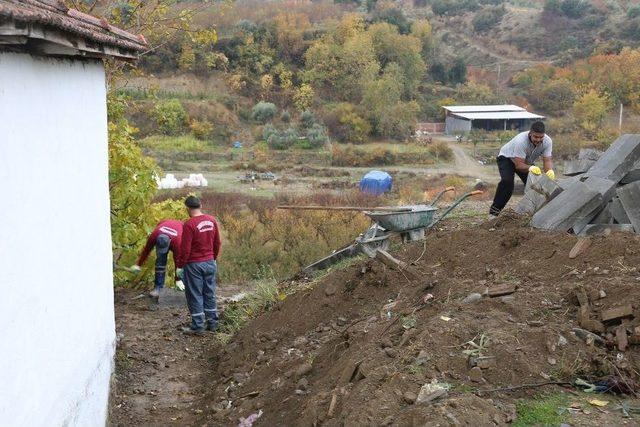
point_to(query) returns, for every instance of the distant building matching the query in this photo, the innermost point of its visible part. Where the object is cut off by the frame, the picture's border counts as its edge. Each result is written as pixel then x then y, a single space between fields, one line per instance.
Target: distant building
pixel 57 324
pixel 464 118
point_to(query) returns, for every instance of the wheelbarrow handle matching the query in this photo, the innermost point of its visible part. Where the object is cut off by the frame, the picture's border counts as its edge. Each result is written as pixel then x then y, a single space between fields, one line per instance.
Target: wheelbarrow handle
pixel 454 205
pixel 440 194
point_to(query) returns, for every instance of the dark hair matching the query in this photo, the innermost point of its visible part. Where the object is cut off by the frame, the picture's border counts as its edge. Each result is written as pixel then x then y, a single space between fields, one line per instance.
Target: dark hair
pixel 537 127
pixel 192 202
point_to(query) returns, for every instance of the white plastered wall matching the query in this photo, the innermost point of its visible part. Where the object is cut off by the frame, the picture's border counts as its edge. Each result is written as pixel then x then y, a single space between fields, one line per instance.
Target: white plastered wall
pixel 57 332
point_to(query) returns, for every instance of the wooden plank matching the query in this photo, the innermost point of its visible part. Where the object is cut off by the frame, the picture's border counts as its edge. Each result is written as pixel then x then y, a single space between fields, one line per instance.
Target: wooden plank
pixel 395 264
pixel 344 208
pixel 617 313
pixel 501 290
pixel 580 247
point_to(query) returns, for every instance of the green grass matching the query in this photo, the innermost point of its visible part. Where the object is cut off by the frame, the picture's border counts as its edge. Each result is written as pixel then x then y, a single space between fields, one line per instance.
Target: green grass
pixel 184 143
pixel 544 410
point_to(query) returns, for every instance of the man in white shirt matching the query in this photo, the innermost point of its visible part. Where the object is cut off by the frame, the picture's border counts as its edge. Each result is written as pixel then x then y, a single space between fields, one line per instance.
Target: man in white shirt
pixel 518 157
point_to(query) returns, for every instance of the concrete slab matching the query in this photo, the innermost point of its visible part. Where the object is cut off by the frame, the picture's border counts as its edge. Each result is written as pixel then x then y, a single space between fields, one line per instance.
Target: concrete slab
pixel 589 154
pixel 618 160
pixel 574 204
pixel 545 186
pixel 617 211
pixel 604 216
pixel 633 175
pixel 629 196
pixel 564 183
pixel 606 229
pixel 577 166
pixel 531 201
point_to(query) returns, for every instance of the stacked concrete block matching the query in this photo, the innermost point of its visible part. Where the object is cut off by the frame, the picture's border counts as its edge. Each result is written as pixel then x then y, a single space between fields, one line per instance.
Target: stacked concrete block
pixel 537 193
pixel 598 200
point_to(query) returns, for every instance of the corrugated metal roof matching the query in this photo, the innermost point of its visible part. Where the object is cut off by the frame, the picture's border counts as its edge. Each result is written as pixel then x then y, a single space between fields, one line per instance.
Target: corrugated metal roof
pixel 54 14
pixel 499 115
pixel 481 108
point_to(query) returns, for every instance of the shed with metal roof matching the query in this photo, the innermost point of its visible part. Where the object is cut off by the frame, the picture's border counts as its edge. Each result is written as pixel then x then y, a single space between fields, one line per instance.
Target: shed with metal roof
pixel 462 119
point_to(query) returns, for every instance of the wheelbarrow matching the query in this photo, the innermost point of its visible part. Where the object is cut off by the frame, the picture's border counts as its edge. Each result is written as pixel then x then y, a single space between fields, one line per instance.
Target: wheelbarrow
pixel 409 222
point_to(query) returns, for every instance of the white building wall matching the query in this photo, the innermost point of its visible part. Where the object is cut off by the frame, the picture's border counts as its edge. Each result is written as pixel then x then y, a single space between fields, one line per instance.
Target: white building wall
pixel 57 332
pixel 454 125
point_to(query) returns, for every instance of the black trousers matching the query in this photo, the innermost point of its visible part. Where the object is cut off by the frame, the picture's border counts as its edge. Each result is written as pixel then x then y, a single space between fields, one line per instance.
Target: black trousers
pixel 507 170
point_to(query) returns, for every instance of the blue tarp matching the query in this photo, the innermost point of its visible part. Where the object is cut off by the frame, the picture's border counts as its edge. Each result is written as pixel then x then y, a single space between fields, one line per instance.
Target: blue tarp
pixel 376 183
pixel 237 144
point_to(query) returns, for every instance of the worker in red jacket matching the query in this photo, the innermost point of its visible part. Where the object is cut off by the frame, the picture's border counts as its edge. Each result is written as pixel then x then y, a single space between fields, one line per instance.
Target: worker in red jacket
pixel 197 267
pixel 166 236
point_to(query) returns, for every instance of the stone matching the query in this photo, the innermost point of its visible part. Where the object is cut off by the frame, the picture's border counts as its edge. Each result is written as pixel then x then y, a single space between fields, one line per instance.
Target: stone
pixel 531 201
pixel 391 352
pixel 341 321
pixel 471 298
pixel 507 299
pixel 565 183
pixel 621 337
pixel 577 166
pixel 304 369
pixel 551 361
pixel 486 362
pixel 617 313
pixel 607 189
pixel 587 336
pixel 303 384
pixel 577 202
pixel 629 196
pixel 300 342
pixel 592 325
pixel 618 160
pixel 606 229
pixel 604 216
pixel 386 342
pixel 430 392
pixel 409 397
pixel 422 358
pixel 475 375
pixel 330 289
pixel 617 211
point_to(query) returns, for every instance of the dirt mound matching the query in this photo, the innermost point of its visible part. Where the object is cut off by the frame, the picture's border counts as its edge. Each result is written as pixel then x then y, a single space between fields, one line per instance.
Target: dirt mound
pixel 357 346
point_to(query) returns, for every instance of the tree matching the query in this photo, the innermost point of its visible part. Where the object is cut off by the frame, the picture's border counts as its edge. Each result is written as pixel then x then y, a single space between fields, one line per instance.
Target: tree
pixel 558 96
pixel 394 16
pixel 488 18
pixel 590 110
pixel 170 116
pixel 303 98
pixel 346 125
pixel 290 28
pixel 132 187
pixel 475 94
pixel 458 71
pixel 422 31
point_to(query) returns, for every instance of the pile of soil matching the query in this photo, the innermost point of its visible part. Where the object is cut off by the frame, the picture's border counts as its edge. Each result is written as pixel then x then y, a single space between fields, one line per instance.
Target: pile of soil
pixel 356 346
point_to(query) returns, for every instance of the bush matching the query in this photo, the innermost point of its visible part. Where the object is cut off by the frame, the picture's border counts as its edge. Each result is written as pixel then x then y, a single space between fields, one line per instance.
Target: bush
pixel 283 140
pixel 317 136
pixel 394 16
pixel 268 130
pixel 264 112
pixel 453 7
pixel 633 12
pixel 487 18
pixel 307 119
pixel 170 116
pixel 285 117
pixel 346 125
pixel 558 96
pixel 355 157
pixel 201 129
pixel 441 151
pixel 574 8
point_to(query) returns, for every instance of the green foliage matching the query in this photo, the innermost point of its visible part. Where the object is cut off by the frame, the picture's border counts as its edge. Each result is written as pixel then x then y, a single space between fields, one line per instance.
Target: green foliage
pixel 285 117
pixel 488 18
pixel 264 112
pixel 590 110
pixel 346 125
pixel 132 187
pixel 574 8
pixel 263 298
pixel 177 144
pixel 394 16
pixel 633 12
pixel 307 119
pixel 458 71
pixel 317 135
pixel 283 140
pixel 170 116
pixel 453 7
pixel 475 94
pixel 544 410
pixel 558 96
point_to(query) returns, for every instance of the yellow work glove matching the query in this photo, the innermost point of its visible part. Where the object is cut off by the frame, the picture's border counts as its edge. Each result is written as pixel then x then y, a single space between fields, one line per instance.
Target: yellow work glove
pixel 535 170
pixel 551 174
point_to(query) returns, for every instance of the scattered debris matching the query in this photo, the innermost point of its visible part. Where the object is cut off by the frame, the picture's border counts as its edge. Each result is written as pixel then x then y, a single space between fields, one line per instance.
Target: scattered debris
pixel 617 313
pixel 432 391
pixel 580 247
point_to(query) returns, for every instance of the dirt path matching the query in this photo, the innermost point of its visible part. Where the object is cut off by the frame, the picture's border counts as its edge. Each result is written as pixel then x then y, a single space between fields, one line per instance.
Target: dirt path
pixel 161 374
pixel 467 165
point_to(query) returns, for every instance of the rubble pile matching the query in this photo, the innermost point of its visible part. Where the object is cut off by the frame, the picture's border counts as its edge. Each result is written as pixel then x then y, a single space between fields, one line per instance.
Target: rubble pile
pixel 600 194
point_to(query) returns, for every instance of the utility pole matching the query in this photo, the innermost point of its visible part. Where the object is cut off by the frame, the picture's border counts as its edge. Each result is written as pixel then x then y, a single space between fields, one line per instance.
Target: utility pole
pixel 620 120
pixel 498 82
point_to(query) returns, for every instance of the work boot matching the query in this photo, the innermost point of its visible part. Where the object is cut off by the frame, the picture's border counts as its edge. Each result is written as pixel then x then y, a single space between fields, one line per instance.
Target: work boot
pixel 211 326
pixel 190 331
pixel 155 293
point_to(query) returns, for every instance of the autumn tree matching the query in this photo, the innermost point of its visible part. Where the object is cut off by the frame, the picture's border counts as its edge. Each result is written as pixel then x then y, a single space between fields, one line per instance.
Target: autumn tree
pixel 590 111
